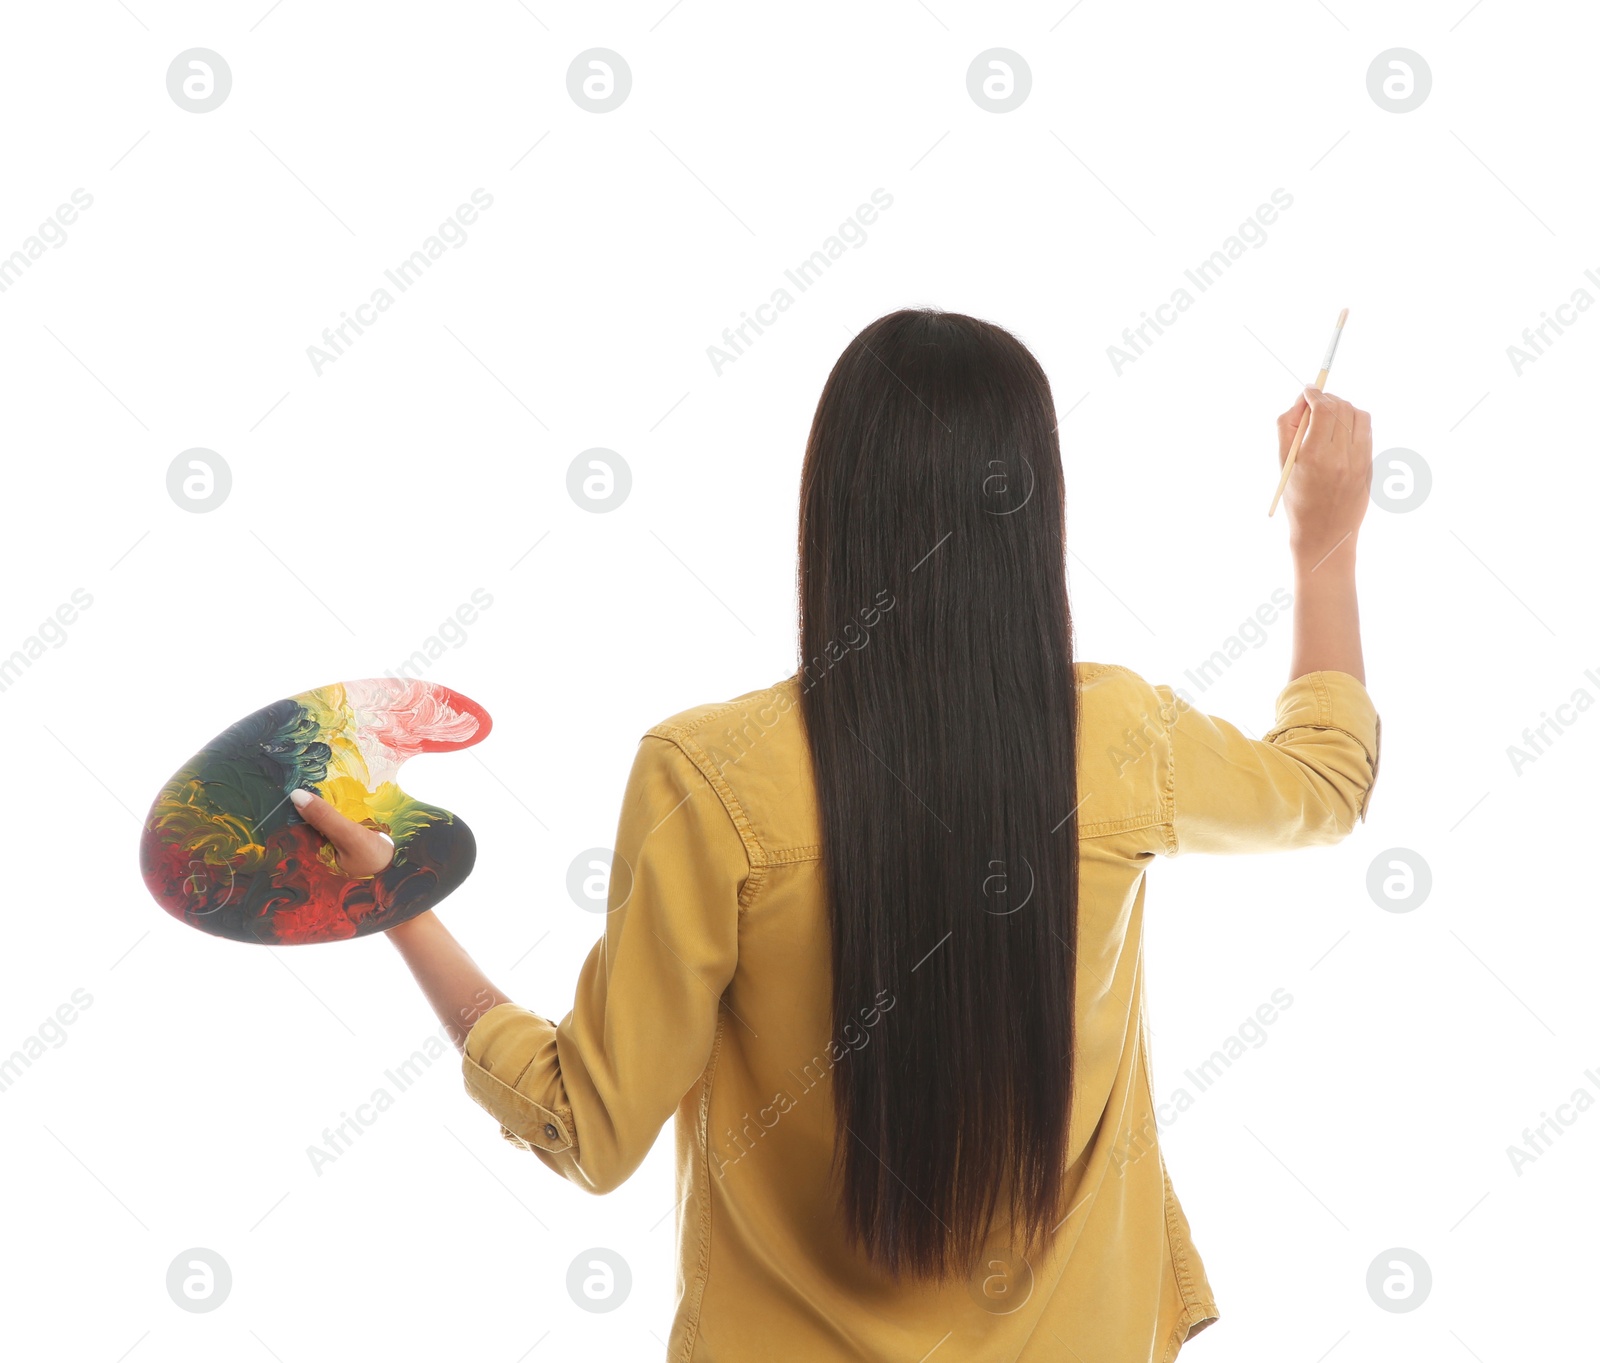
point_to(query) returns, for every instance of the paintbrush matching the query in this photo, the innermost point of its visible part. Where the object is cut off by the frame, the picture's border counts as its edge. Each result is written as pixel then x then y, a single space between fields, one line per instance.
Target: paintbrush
pixel 1305 421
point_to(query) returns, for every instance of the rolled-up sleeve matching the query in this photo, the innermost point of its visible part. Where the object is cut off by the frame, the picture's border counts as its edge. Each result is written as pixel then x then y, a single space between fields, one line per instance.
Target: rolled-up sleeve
pixel 1308 781
pixel 589 1094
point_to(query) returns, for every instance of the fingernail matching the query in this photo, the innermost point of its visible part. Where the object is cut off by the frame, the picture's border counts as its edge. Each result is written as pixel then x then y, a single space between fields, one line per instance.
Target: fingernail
pixel 300 798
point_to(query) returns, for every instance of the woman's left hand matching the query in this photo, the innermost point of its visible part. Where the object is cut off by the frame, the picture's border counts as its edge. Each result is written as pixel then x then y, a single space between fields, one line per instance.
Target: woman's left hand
pixel 361 851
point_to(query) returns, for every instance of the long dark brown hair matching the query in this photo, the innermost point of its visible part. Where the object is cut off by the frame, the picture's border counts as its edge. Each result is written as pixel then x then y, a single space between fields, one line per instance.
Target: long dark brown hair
pixel 938 694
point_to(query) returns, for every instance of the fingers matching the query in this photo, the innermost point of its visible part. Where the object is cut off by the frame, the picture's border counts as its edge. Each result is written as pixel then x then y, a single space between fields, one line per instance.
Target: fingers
pixel 361 851
pixel 1332 421
pixel 1363 433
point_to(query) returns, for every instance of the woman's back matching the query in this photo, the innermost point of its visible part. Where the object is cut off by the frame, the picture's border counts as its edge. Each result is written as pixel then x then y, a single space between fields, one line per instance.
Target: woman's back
pixel 874 934
pixel 710 996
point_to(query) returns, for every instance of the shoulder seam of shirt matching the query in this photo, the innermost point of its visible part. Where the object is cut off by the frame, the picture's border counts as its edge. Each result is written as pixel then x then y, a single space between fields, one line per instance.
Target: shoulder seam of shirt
pixel 1168 821
pixel 1161 816
pixel 1092 668
pixel 754 852
pixel 673 727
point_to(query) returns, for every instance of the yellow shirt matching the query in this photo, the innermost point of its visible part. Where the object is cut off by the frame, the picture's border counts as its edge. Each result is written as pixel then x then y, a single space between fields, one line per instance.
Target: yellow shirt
pixel 708 997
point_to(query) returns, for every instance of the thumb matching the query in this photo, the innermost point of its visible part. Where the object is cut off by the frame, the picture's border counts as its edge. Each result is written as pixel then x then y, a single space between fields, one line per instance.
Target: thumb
pixel 361 851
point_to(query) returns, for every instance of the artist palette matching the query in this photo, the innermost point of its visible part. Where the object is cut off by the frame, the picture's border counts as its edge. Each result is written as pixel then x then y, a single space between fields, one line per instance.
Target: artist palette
pixel 224 851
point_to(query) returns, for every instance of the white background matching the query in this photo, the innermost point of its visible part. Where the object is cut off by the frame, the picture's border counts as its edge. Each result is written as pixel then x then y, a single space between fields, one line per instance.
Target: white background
pixel 369 501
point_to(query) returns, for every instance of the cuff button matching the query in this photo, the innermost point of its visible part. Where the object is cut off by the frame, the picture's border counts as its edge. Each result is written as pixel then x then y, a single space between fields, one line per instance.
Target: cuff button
pixel 550 1131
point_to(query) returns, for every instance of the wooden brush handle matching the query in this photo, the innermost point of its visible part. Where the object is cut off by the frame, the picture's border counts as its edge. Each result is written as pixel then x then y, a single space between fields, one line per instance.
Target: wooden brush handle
pixel 1294 447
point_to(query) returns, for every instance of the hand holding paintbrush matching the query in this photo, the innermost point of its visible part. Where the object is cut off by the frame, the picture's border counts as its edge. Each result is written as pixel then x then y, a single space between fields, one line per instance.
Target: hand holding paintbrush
pixel 1328 432
pixel 1328 495
pixel 1300 432
pixel 1327 444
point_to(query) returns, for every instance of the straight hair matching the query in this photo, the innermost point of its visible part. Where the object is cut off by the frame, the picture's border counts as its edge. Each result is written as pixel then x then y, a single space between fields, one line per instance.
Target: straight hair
pixel 940 707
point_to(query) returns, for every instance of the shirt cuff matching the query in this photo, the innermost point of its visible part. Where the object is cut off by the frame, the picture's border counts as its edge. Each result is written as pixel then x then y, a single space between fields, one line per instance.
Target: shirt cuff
pixel 509 1062
pixel 1333 700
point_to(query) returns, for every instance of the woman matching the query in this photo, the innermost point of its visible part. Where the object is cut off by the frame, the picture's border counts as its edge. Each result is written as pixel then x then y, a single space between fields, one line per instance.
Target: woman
pixel 874 932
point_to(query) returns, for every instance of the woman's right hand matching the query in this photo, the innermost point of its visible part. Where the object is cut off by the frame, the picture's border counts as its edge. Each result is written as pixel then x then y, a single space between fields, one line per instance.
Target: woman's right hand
pixel 1331 484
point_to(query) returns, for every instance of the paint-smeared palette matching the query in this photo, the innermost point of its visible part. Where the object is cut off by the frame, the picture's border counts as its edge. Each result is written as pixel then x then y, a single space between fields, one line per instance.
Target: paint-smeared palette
pixel 224 850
